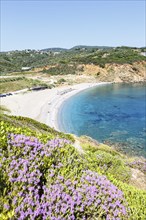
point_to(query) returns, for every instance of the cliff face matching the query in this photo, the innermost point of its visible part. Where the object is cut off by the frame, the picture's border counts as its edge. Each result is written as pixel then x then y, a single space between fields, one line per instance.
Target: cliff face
pixel 135 72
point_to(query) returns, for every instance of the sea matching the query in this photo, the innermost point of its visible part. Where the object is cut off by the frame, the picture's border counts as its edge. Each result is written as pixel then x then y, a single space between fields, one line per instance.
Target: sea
pixel 114 114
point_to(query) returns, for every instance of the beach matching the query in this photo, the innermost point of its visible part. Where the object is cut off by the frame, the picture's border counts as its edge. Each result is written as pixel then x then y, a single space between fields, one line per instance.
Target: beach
pixel 43 105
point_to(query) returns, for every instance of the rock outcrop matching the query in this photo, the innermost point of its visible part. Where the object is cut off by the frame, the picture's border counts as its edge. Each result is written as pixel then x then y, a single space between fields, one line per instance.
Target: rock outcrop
pixel 135 72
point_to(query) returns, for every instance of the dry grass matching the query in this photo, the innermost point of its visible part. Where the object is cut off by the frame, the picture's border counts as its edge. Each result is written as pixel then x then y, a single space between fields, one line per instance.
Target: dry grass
pixel 10 86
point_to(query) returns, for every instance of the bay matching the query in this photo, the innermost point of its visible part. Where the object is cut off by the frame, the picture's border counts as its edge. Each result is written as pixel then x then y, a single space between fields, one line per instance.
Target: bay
pixel 112 113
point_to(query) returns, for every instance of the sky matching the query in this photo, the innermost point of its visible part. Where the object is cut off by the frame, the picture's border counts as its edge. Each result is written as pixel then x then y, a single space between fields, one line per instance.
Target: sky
pixel 31 24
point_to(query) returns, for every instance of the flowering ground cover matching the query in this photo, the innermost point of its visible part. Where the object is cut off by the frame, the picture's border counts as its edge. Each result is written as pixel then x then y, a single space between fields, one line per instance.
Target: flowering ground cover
pixel 42 176
pixel 37 190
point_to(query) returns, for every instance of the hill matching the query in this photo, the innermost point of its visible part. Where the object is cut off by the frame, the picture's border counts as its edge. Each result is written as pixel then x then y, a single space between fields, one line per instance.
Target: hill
pixel 44 175
pixel 54 49
pixel 15 60
pixel 85 47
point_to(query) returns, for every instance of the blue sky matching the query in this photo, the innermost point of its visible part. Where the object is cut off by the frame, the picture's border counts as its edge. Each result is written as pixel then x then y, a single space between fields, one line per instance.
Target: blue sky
pixel 41 24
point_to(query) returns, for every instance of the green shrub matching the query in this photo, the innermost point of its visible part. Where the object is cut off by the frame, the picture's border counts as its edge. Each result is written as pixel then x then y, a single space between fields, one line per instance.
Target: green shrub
pixel 64 162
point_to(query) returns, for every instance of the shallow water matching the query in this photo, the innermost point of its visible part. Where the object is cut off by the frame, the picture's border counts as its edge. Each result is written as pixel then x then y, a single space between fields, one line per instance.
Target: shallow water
pixel 113 113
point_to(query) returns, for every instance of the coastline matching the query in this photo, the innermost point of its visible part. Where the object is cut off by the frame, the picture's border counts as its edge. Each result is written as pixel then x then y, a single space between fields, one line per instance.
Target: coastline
pixel 44 105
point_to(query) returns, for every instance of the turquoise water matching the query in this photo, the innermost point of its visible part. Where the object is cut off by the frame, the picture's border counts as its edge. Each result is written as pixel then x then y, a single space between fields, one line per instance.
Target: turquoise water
pixel 113 114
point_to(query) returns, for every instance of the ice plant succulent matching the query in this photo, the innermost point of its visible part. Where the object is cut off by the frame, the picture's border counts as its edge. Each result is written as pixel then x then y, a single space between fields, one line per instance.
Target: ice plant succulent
pixel 38 190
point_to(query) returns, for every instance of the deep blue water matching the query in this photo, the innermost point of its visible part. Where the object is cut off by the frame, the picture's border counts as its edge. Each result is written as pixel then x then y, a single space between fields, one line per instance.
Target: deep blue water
pixel 113 113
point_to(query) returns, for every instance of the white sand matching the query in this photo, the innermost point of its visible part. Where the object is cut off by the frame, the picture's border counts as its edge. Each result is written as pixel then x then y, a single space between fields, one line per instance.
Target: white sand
pixel 43 105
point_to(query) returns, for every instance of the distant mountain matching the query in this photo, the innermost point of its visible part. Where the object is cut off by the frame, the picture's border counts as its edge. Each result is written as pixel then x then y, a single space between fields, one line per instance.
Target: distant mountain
pixel 79 47
pixel 55 49
pixel 75 48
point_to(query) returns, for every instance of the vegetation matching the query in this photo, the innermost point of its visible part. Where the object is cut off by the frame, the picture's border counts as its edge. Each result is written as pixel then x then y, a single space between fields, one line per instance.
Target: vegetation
pixel 15 60
pixel 61 69
pixel 3 109
pixel 32 128
pixel 47 178
pixel 107 161
pixel 18 83
pixel 42 175
pixel 60 81
pixel 119 55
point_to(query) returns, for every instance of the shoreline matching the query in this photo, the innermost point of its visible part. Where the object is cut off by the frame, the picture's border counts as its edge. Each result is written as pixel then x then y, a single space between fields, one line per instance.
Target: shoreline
pixel 44 105
pixel 53 116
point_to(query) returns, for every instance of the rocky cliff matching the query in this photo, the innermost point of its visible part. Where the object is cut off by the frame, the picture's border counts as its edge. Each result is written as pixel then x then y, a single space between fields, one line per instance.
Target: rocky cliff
pixel 135 72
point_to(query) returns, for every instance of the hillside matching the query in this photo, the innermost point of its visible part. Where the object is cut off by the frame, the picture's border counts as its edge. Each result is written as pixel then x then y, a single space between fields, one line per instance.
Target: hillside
pixel 54 49
pixel 14 61
pixel 56 67
pixel 89 48
pixel 46 176
pixel 135 72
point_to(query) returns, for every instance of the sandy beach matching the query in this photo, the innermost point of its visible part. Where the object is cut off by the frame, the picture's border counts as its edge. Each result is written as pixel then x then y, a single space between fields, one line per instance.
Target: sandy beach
pixel 43 105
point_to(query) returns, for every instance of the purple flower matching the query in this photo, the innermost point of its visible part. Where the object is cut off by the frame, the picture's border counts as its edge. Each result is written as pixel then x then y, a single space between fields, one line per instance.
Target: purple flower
pixel 40 196
pixel 6 206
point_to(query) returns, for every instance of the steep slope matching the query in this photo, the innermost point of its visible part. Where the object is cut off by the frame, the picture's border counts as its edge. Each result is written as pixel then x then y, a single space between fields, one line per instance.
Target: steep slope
pixel 44 176
pixel 135 72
